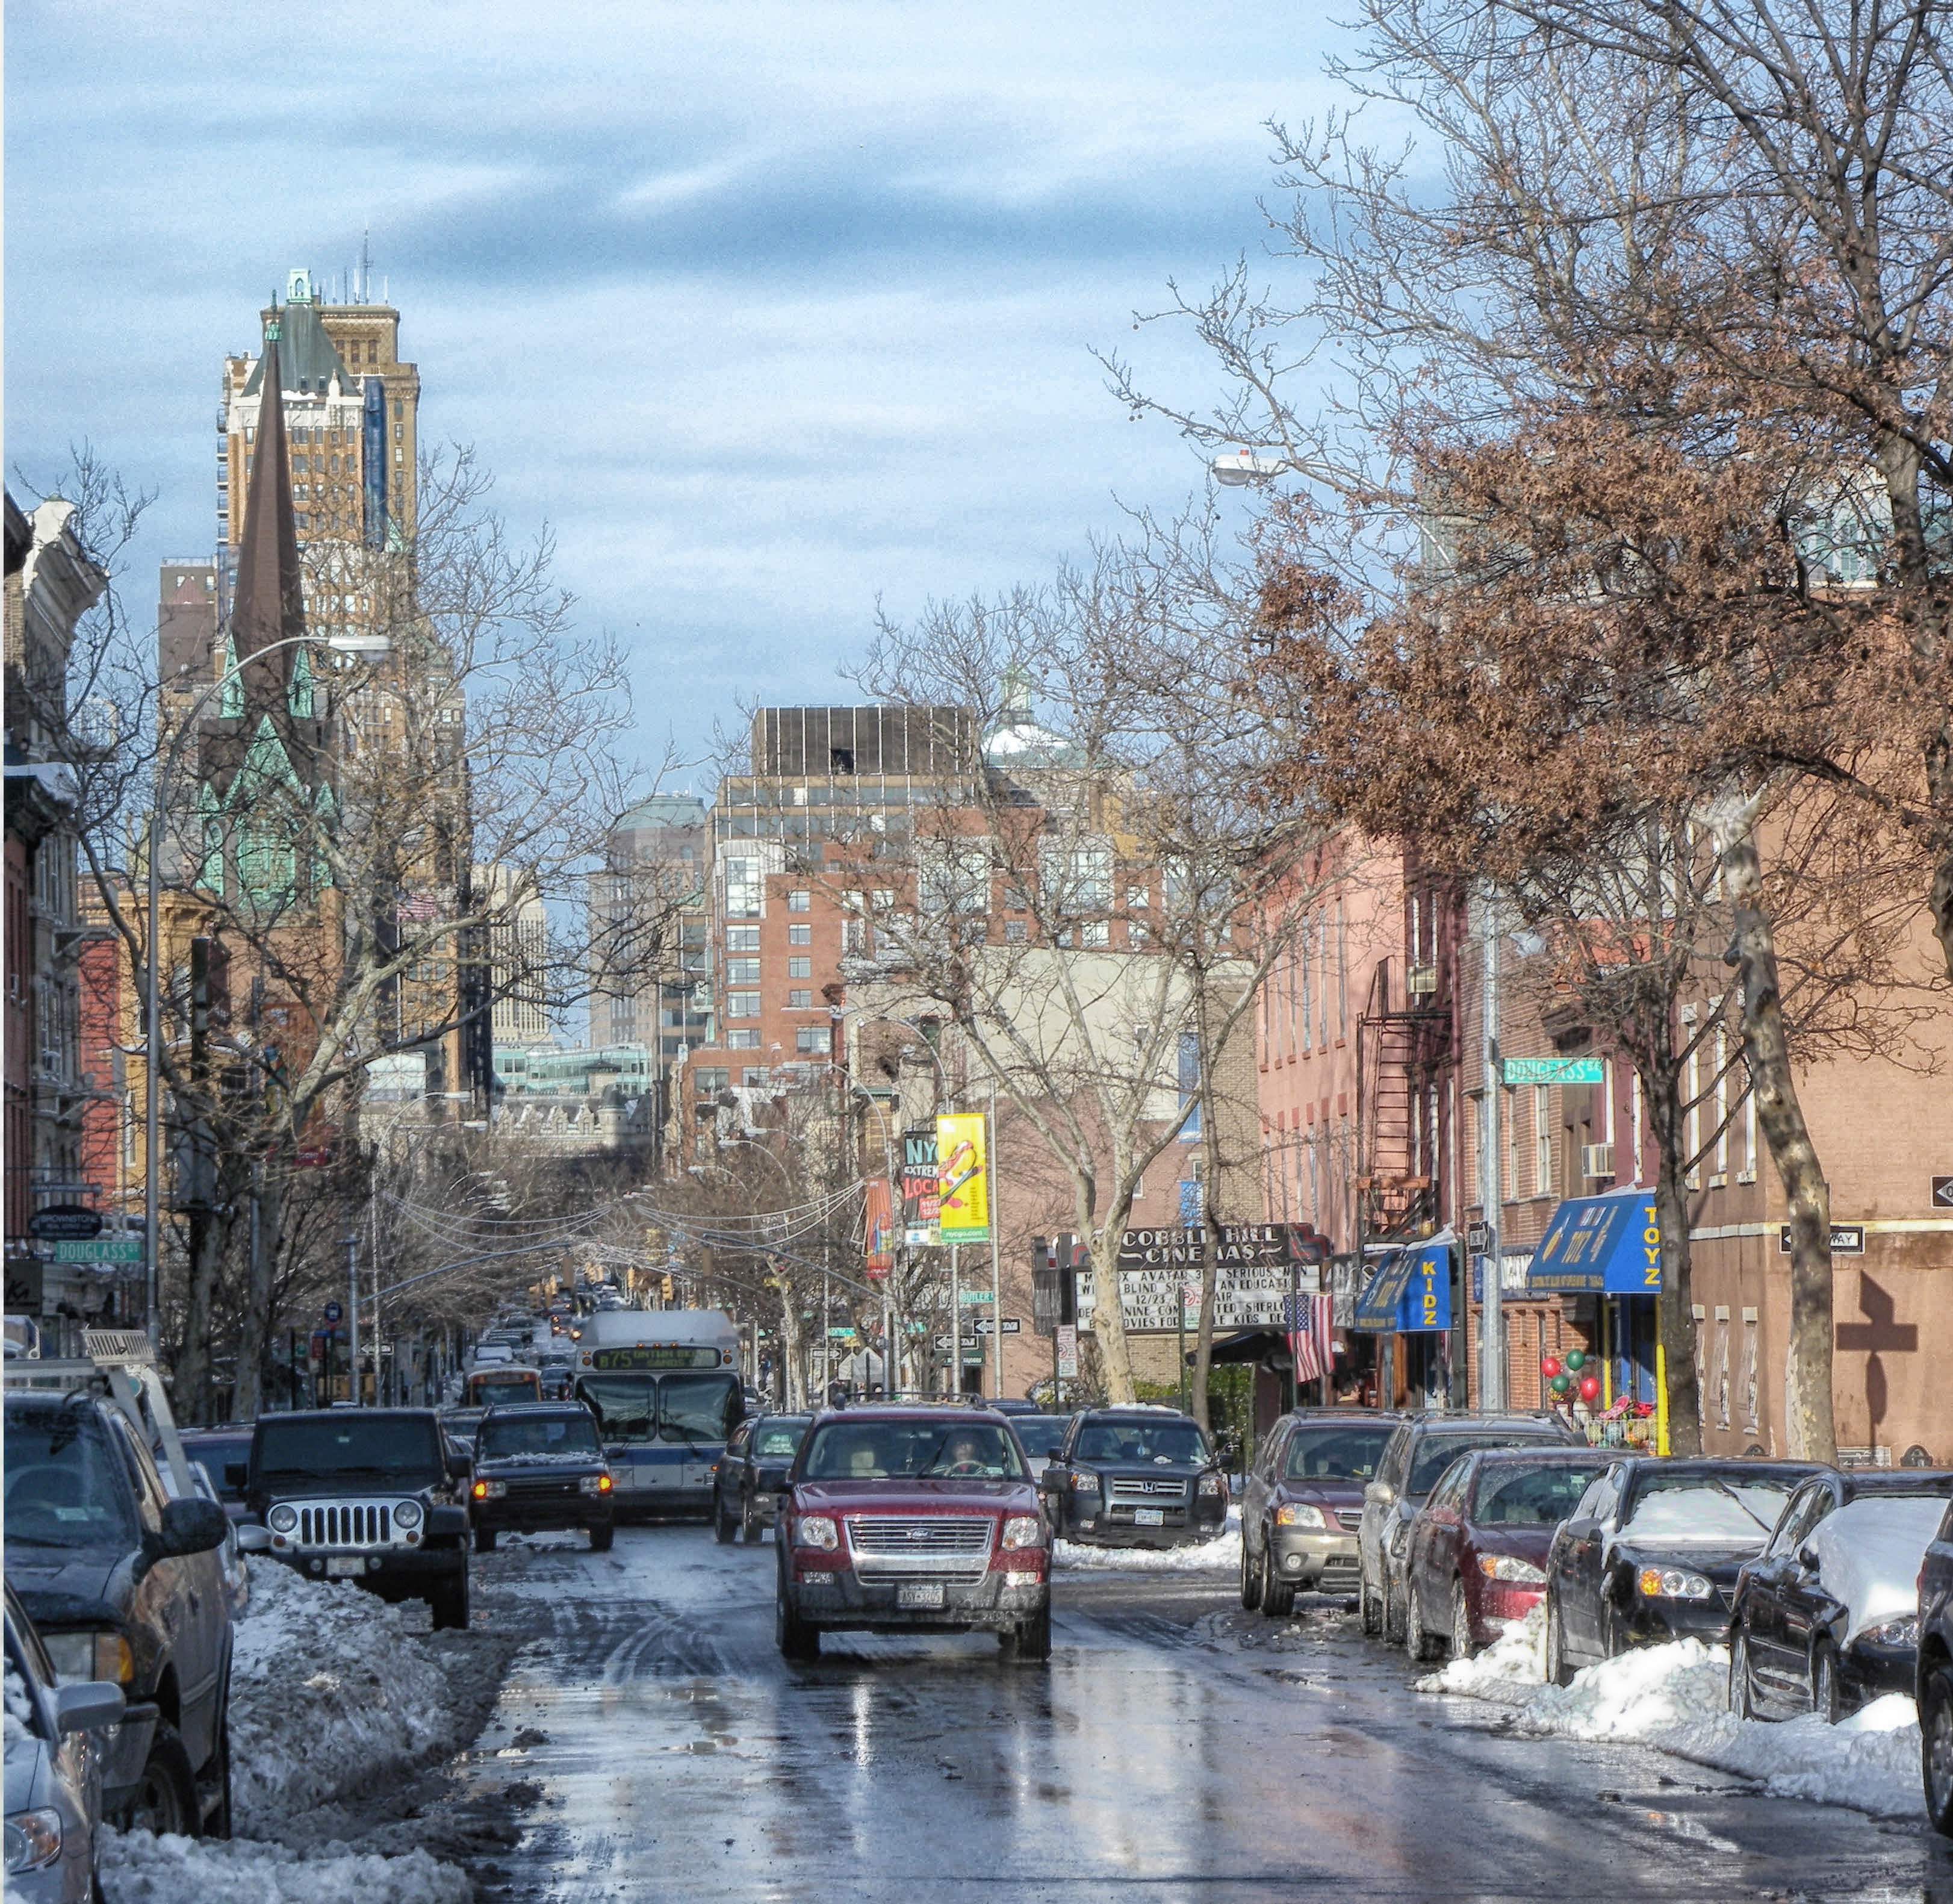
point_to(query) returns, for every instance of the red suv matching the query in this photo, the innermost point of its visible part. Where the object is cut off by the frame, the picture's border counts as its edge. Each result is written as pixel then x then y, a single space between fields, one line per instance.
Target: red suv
pixel 917 1519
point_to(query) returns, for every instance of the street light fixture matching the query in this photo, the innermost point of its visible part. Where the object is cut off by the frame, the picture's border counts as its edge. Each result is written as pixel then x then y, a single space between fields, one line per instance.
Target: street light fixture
pixel 366 644
pixel 1236 468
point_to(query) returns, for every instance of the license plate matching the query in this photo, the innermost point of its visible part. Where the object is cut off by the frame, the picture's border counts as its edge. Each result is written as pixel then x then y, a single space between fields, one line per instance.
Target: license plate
pixel 340 1566
pixel 1148 1516
pixel 919 1596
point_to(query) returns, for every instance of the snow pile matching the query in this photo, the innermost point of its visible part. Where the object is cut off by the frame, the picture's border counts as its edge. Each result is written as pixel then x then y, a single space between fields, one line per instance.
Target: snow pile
pixel 1676 1698
pixel 139 1868
pixel 1868 1554
pixel 329 1691
pixel 1198 1557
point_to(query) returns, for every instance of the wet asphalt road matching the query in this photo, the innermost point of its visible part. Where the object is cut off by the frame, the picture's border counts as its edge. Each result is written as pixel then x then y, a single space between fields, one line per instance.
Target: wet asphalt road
pixel 657 1748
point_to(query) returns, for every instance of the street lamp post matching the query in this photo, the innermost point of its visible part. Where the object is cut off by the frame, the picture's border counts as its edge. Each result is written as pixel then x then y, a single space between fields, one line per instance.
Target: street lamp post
pixel 153 1039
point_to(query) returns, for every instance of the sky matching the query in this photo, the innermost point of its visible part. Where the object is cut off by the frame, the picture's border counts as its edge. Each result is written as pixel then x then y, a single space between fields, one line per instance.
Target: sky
pixel 770 312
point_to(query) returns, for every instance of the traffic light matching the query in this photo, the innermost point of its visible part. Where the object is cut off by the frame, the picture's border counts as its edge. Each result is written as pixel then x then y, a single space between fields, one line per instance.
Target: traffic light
pixel 666 1287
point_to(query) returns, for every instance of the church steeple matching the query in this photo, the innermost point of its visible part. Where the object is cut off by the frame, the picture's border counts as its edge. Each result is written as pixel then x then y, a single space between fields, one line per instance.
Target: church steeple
pixel 267 603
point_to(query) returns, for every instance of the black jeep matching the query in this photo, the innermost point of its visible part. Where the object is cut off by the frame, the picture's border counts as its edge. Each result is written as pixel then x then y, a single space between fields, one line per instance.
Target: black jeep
pixel 540 1467
pixel 368 1494
pixel 1135 1475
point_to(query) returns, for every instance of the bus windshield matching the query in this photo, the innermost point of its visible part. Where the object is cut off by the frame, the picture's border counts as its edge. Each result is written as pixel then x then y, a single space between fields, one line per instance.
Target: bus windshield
pixel 682 1408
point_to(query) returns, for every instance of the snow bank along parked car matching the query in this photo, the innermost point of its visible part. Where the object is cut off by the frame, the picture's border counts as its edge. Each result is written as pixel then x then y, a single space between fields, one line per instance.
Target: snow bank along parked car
pixel 1136 1475
pixel 752 1474
pixel 1421 1448
pixel 1478 1549
pixel 365 1494
pixel 1932 1682
pixel 54 1754
pixel 1302 1502
pixel 124 1584
pixel 1651 1551
pixel 1826 1617
pixel 917 1520
pixel 539 1468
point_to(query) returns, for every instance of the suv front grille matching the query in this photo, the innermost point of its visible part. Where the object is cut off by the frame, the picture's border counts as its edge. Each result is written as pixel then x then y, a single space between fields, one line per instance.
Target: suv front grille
pixel 956 1545
pixel 1147 1490
pixel 348 1524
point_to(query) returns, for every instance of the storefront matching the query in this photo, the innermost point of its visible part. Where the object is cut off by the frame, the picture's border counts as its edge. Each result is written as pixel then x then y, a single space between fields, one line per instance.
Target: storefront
pixel 1408 1303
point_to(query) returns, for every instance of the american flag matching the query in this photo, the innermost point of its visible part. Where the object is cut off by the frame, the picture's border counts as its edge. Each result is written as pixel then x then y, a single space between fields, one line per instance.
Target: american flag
pixel 1308 1338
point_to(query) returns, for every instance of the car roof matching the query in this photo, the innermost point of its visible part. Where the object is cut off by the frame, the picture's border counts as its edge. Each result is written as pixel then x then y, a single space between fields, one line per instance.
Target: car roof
pixel 1598 1457
pixel 553 1409
pixel 339 1414
pixel 1383 1416
pixel 976 1417
pixel 1931 1482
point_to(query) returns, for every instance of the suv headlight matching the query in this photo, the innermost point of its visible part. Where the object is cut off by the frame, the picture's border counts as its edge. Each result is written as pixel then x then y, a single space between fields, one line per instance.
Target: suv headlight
pixel 33 1838
pixel 407 1513
pixel 1671 1583
pixel 1023 1530
pixel 1299 1514
pixel 595 1484
pixel 489 1490
pixel 79 1657
pixel 1213 1484
pixel 1083 1483
pixel 1509 1566
pixel 1895 1632
pixel 817 1530
pixel 282 1520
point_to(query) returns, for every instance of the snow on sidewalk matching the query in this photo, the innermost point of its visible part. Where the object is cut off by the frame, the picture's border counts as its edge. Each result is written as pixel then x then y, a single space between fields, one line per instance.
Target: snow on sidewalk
pixel 1675 1697
pixel 331 1690
pixel 137 1868
pixel 1200 1557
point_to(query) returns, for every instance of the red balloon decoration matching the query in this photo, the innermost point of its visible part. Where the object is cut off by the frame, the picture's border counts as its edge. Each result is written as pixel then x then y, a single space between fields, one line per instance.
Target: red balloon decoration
pixel 1549 1367
pixel 1590 1387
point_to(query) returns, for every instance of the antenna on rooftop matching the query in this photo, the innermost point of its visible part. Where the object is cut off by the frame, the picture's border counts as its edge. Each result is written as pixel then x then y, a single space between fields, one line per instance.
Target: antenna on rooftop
pixel 366 265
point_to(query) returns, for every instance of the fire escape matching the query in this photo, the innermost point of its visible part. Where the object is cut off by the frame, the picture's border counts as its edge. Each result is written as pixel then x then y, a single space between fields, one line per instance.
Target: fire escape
pixel 1403 1046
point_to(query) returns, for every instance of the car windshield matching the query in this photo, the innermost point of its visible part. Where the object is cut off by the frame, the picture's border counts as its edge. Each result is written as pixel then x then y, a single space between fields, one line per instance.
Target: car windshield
pixel 1038 1432
pixel 1435 1453
pixel 1726 1509
pixel 1527 1497
pixel 1173 1439
pixel 870 1451
pixel 1346 1451
pixel 538 1436
pixel 66 1484
pixel 780 1441
pixel 399 1448
pixel 216 1452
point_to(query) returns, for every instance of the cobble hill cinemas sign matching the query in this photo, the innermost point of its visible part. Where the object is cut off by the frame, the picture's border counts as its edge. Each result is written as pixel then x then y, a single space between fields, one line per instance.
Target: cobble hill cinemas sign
pixel 1258 1269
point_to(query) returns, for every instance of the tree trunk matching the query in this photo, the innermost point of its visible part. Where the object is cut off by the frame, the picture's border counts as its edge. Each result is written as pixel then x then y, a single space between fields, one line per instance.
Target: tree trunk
pixel 1210 1268
pixel 1810 1431
pixel 1678 1308
pixel 253 1392
pixel 209 1240
pixel 1109 1320
pixel 1940 788
pixel 795 1381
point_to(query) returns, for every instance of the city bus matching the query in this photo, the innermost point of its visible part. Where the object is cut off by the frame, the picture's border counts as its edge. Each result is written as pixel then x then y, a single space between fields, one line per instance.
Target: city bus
pixel 664 1386
pixel 492 1382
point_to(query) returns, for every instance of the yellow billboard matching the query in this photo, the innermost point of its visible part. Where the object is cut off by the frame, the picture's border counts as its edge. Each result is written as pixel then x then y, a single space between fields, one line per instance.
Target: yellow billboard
pixel 962 1177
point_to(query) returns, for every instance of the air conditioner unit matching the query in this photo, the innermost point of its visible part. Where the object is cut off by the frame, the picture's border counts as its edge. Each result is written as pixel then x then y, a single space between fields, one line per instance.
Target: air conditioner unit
pixel 1421 981
pixel 1597 1160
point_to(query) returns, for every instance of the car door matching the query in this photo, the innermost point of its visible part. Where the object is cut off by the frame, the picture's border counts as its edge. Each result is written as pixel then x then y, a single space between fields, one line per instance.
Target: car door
pixel 1576 1565
pixel 1258 1491
pixel 1056 1481
pixel 1762 1594
pixel 1379 1503
pixel 1803 1607
pixel 729 1478
pixel 1427 1553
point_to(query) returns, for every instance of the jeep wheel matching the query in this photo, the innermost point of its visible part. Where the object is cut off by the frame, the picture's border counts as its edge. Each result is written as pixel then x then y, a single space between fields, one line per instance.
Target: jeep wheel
pixel 796 1638
pixel 600 1538
pixel 1030 1640
pixel 1278 1596
pixel 165 1799
pixel 448 1603
pixel 724 1527
pixel 485 1539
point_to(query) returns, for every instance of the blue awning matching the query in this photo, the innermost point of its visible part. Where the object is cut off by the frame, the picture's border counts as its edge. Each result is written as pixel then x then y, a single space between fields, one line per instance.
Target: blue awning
pixel 1410 1291
pixel 1608 1245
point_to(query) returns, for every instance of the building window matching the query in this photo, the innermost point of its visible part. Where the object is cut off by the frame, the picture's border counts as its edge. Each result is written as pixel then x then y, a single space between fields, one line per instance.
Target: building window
pixel 742 938
pixel 709 1081
pixel 1342 973
pixel 1721 1062
pixel 1307 1014
pixel 1509 1109
pixel 1187 1068
pixel 748 1040
pixel 1542 1139
pixel 742 971
pixel 1749 1170
pixel 800 1001
pixel 745 888
pixel 800 935
pixel 800 900
pixel 814 1038
pixel 742 1004
pixel 1014 933
pixel 798 968
pixel 1691 1091
pixel 1095 933
pixel 853 936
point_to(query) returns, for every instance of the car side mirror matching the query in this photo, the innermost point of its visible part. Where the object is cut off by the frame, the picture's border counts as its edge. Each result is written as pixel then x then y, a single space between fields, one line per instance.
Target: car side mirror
pixel 463 1466
pixel 92 1703
pixel 1052 1453
pixel 236 1474
pixel 1381 1492
pixel 192 1526
pixel 253 1539
pixel 1807 1558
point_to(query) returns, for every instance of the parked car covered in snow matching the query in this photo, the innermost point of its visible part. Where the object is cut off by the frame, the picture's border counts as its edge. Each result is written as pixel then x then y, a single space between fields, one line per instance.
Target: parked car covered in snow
pixel 1135 1475
pixel 1933 1680
pixel 1651 1552
pixel 1478 1551
pixel 1827 1618
pixel 1302 1503
pixel 124 1584
pixel 55 1749
pixel 367 1494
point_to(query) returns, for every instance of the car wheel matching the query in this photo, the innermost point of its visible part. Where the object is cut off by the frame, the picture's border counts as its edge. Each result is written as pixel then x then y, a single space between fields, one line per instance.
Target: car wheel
pixel 1031 1639
pixel 485 1539
pixel 1559 1669
pixel 1394 1610
pixel 217 1777
pixel 165 1797
pixel 724 1527
pixel 751 1532
pixel 1935 1746
pixel 1417 1643
pixel 1463 1646
pixel 1250 1585
pixel 1368 1611
pixel 448 1603
pixel 1278 1596
pixel 601 1538
pixel 1742 1689
pixel 1826 1699
pixel 796 1638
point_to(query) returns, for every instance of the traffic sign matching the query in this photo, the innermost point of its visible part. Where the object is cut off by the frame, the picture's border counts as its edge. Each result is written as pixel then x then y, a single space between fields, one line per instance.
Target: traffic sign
pixel 987 1325
pixel 1847 1239
pixel 100 1249
pixel 1942 1193
pixel 1553 1070
pixel 334 1313
pixel 973 1295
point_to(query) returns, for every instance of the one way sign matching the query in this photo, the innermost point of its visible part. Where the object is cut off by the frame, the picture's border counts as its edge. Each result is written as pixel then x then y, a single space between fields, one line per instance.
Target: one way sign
pixel 1942 1193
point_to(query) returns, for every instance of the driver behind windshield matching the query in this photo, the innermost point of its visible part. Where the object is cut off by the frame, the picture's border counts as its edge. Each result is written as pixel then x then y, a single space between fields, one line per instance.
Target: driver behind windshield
pixel 878 1450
